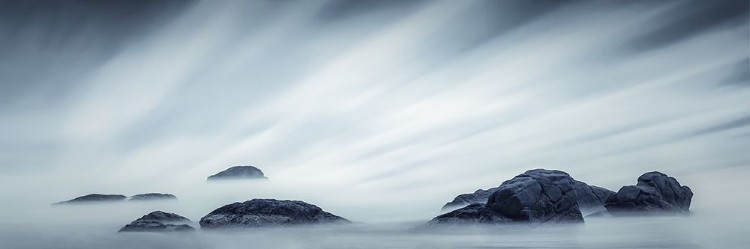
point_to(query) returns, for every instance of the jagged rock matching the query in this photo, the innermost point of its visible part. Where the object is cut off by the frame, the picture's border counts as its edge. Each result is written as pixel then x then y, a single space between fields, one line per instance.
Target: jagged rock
pixel 590 198
pixel 268 212
pixel 159 221
pixel 238 172
pixel 92 198
pixel 655 192
pixel 152 197
pixel 537 196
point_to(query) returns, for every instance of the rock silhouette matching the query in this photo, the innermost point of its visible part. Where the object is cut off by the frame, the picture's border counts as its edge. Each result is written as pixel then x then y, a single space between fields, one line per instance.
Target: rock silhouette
pixel 238 172
pixel 94 198
pixel 159 221
pixel 152 197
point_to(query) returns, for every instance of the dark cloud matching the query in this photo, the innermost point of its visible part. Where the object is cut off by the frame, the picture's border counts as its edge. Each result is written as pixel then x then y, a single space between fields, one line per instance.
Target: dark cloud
pixel 67 39
pixel 688 19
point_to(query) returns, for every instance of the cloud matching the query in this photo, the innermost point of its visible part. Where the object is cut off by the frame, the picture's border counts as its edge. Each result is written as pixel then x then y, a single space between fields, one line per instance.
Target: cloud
pixel 368 104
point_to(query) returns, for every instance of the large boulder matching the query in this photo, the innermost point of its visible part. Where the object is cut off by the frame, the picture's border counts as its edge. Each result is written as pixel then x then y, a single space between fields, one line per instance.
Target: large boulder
pixel 590 198
pixel 94 198
pixel 268 213
pixel 238 172
pixel 152 197
pixel 537 196
pixel 655 192
pixel 159 221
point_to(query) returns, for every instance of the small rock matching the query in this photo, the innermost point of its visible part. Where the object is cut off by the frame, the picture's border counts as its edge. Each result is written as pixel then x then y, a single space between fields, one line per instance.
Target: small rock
pixel 238 172
pixel 152 197
pixel 92 198
pixel 159 221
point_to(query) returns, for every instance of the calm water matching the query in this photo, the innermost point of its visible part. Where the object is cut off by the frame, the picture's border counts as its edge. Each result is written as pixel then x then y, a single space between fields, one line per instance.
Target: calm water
pixel 86 227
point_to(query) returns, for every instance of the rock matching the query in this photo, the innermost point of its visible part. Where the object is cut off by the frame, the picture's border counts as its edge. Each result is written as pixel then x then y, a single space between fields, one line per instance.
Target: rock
pixel 159 221
pixel 476 213
pixel 537 196
pixel 462 200
pixel 238 172
pixel 94 198
pixel 590 198
pixel 655 192
pixel 268 213
pixel 152 197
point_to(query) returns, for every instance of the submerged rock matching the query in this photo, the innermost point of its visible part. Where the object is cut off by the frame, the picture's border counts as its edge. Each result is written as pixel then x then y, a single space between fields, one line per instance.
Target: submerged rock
pixel 159 221
pixel 93 198
pixel 268 213
pixel 590 198
pixel 655 192
pixel 537 196
pixel 238 172
pixel 152 197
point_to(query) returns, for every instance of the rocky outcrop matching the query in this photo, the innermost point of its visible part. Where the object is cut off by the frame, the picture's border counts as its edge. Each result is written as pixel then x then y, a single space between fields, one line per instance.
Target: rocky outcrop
pixel 268 213
pixel 94 198
pixel 159 221
pixel 238 172
pixel 462 200
pixel 590 198
pixel 537 196
pixel 152 197
pixel 655 192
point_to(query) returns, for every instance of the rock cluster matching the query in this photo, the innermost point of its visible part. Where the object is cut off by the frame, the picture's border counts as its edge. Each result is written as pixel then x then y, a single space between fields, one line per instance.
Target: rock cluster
pixel 538 196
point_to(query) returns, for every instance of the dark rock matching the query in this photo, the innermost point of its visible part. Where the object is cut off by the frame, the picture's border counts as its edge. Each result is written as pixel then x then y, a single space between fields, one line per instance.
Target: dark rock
pixel 94 198
pixel 537 196
pixel 462 200
pixel 268 212
pixel 655 192
pixel 152 197
pixel 476 213
pixel 590 198
pixel 159 221
pixel 238 172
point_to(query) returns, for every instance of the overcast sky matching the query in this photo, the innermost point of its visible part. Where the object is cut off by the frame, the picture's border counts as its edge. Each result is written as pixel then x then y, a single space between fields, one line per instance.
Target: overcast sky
pixel 411 102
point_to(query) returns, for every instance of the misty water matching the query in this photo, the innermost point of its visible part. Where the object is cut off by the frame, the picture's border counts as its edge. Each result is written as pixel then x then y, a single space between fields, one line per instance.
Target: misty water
pixel 713 223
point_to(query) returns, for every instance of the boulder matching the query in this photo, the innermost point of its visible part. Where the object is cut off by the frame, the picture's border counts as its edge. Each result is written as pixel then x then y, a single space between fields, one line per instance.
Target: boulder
pixel 655 192
pixel 93 198
pixel 152 197
pixel 590 198
pixel 159 221
pixel 268 213
pixel 238 172
pixel 536 196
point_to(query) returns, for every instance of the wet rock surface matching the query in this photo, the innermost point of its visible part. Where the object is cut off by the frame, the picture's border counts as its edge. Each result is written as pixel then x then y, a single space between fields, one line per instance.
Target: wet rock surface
pixel 159 221
pixel 268 213
pixel 238 172
pixel 655 193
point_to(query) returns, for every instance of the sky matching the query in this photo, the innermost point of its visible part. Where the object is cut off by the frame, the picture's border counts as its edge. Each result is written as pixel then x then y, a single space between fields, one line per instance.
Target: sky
pixel 359 105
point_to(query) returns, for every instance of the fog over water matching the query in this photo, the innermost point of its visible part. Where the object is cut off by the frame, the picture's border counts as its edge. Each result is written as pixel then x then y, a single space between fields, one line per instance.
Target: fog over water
pixel 377 111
